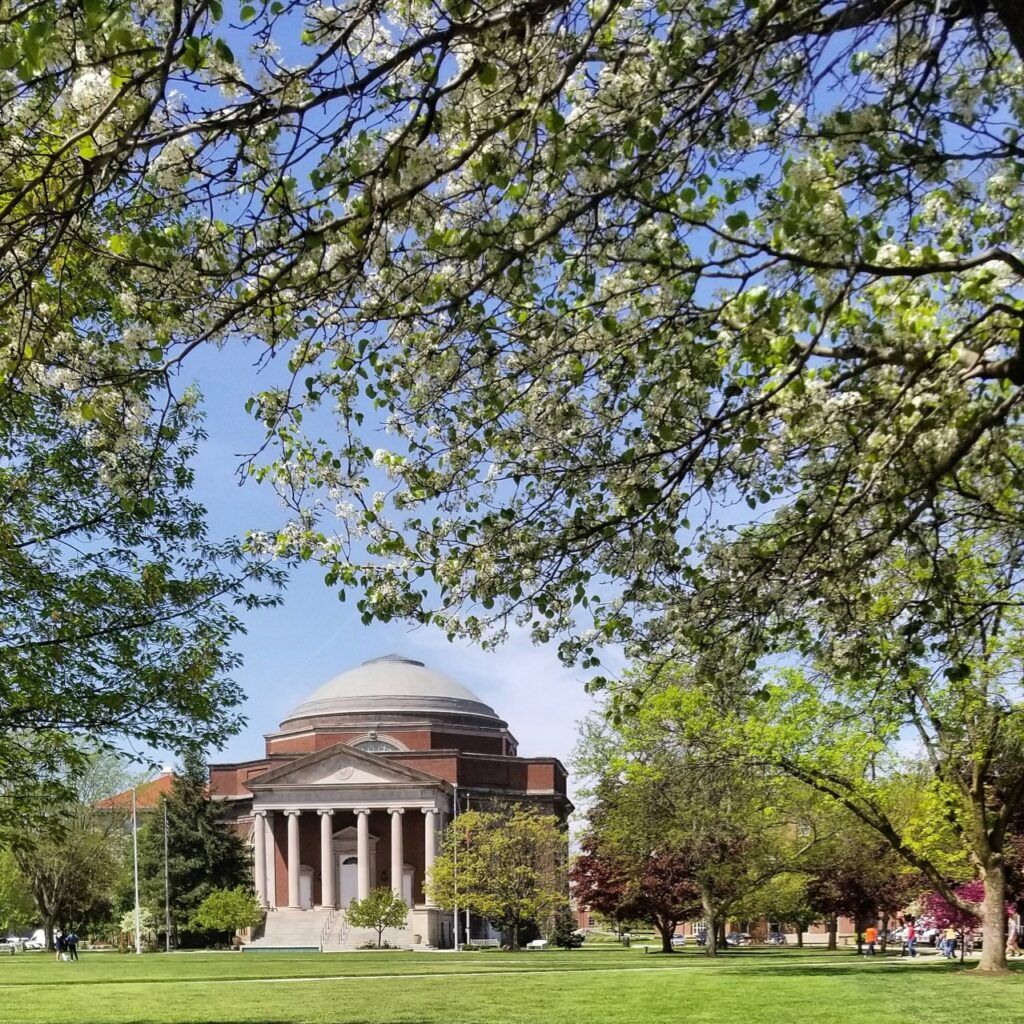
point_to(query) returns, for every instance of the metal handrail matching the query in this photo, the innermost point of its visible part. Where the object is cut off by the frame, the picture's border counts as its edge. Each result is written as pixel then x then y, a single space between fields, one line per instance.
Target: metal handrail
pixel 325 932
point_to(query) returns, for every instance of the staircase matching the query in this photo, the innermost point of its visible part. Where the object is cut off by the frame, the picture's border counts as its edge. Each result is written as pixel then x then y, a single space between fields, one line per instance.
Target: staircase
pixel 324 930
pixel 291 929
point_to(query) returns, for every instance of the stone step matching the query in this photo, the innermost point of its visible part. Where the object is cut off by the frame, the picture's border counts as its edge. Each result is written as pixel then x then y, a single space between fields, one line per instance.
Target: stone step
pixel 291 929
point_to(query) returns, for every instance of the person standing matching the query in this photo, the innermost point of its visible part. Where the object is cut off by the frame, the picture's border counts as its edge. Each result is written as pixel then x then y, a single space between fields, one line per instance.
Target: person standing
pixel 72 942
pixel 870 938
pixel 949 942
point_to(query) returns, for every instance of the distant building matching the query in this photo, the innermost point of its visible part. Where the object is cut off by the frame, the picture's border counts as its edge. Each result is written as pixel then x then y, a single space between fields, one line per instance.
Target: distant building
pixel 355 787
pixel 148 796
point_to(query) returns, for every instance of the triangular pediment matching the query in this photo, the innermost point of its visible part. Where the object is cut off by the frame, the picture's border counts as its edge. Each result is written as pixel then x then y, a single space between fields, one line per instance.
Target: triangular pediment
pixel 340 765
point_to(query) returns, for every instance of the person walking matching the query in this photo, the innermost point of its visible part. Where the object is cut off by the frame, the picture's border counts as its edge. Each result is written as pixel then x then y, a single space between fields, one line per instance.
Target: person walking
pixel 911 934
pixel 870 938
pixel 1013 942
pixel 949 943
pixel 58 945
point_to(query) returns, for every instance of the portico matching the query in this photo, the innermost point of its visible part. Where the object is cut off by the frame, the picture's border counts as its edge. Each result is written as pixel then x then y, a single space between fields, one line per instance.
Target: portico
pixel 333 825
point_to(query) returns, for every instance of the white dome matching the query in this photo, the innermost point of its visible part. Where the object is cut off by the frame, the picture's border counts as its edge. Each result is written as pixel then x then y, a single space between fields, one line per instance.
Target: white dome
pixel 391 685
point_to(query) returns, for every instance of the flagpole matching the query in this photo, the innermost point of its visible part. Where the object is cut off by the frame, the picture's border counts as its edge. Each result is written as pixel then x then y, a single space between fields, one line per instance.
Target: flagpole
pixel 167 882
pixel 455 868
pixel 135 857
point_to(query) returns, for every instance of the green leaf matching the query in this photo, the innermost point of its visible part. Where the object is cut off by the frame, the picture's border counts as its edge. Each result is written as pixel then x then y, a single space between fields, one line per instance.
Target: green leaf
pixel 488 74
pixel 736 221
pixel 87 148
pixel 223 51
pixel 554 121
pixel 247 13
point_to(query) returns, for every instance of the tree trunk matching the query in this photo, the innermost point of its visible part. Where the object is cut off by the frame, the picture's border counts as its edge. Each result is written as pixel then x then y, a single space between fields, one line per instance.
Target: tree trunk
pixel 884 943
pixel 666 929
pixel 993 922
pixel 48 932
pixel 799 937
pixel 833 929
pixel 721 935
pixel 711 942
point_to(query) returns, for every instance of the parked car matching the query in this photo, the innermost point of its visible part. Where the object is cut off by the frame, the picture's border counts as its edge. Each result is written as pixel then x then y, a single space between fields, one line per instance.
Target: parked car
pixel 737 939
pixel 777 938
pixel 678 940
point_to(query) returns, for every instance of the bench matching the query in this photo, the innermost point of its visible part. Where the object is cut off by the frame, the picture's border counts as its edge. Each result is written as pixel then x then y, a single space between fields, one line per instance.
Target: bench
pixel 8 947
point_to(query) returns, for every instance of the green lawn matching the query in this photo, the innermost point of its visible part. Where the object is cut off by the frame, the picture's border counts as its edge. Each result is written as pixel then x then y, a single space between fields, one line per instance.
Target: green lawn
pixel 607 986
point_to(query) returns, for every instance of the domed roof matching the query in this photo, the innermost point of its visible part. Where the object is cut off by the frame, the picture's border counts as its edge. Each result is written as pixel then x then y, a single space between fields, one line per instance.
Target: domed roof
pixel 391 685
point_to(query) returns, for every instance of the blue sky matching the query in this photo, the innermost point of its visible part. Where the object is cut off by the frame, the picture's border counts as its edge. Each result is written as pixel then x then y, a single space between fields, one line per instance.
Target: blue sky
pixel 290 650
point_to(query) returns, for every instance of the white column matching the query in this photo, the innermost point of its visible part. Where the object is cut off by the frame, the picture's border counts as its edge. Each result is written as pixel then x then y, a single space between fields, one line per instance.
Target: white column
pixel 397 853
pixel 259 851
pixel 271 845
pixel 293 859
pixel 326 858
pixel 363 852
pixel 429 845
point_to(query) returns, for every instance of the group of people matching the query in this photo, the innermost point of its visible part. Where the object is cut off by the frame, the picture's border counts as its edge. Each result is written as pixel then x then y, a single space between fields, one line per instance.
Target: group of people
pixel 946 940
pixel 66 946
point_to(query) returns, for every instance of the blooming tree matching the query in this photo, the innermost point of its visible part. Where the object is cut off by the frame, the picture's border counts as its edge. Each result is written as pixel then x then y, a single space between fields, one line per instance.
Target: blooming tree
pixel 599 271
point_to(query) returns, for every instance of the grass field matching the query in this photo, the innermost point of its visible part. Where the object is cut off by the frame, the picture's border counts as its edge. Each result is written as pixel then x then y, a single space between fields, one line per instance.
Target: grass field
pixel 610 986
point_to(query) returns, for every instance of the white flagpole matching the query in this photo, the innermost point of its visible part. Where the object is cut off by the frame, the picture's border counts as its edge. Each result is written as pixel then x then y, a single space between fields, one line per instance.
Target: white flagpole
pixel 135 856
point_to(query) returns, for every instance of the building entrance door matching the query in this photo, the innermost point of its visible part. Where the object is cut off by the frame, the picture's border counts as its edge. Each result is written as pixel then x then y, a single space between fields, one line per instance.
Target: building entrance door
pixel 306 887
pixel 348 879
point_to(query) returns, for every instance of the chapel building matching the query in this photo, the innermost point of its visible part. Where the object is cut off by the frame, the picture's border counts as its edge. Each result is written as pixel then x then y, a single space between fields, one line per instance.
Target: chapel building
pixel 354 790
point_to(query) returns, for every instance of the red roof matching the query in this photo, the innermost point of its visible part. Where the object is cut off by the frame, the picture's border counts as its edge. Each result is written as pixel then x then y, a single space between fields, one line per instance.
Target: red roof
pixel 147 795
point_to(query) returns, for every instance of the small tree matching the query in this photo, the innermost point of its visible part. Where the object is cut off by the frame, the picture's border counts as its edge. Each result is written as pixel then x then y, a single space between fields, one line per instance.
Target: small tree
pixel 660 888
pixel 563 930
pixel 381 909
pixel 229 910
pixel 506 867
